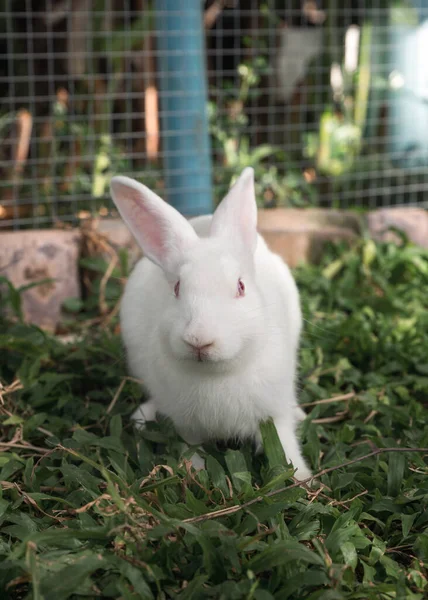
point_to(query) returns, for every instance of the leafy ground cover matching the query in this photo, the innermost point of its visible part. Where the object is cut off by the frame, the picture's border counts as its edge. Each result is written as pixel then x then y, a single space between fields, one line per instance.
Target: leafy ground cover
pixel 89 508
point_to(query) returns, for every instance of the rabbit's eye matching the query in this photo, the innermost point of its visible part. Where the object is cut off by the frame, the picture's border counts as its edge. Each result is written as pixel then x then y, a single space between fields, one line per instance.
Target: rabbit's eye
pixel 241 288
pixel 177 289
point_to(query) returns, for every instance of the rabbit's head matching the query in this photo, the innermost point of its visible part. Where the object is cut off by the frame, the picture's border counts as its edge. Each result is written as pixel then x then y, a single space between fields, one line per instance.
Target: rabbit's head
pixel 212 314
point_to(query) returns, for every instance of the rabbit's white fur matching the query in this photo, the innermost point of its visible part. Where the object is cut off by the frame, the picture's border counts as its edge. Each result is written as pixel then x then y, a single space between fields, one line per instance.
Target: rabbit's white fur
pixel 245 371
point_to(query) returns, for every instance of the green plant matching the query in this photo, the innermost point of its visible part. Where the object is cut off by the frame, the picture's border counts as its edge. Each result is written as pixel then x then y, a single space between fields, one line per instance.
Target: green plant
pixel 275 185
pixel 90 508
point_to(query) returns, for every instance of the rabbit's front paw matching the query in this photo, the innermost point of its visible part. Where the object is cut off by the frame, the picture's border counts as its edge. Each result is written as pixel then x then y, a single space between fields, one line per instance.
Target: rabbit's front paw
pixel 302 473
pixel 198 463
pixel 299 414
pixel 145 412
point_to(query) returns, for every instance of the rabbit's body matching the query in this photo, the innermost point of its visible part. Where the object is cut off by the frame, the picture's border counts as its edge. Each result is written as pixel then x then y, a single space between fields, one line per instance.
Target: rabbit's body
pixel 205 400
pixel 214 362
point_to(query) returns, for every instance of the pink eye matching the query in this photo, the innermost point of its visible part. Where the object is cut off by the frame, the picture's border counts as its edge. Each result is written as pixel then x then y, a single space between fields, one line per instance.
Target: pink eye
pixel 241 288
pixel 177 289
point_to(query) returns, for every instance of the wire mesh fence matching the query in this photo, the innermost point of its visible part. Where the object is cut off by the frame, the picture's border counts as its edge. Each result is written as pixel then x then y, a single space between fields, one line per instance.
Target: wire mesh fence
pixel 328 101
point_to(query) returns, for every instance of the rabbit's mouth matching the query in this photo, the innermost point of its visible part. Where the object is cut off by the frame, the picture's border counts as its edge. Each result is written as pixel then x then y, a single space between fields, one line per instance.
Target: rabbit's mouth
pixel 207 362
pixel 200 352
pixel 202 356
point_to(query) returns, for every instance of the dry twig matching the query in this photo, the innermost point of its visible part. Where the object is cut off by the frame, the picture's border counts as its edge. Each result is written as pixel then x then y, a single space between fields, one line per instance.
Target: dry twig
pixel 103 284
pixel 119 391
pixel 5 446
pixel 237 507
pixel 212 13
pixel 339 398
pixel 338 417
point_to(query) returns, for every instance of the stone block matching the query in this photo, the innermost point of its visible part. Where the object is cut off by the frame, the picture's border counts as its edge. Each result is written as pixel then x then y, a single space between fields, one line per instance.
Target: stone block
pixel 300 235
pixel 30 256
pixel 411 221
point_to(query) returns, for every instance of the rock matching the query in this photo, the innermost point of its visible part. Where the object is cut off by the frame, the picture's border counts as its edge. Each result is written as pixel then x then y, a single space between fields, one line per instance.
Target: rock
pixel 304 219
pixel 411 221
pixel 299 235
pixel 34 255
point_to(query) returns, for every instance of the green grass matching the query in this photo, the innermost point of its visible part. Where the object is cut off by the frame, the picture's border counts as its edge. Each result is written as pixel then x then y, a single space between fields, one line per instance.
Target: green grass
pixel 91 509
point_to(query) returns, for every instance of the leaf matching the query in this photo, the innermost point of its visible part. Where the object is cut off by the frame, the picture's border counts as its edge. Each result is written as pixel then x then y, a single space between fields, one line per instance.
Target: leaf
pixel 263 595
pixel 272 445
pixel 344 530
pixel 108 442
pixel 195 506
pixel 282 553
pixel 275 481
pixel 74 475
pixel 4 505
pixel 342 480
pixel 58 537
pixel 14 297
pixel 369 252
pixel 13 420
pixel 116 428
pixel 241 477
pixel 407 522
pixel 217 474
pixel 62 584
pixel 195 589
pixel 396 468
pixel 135 576
pixel 333 269
pixel 312 579
pixel 421 547
pixel 349 554
pixel 369 573
pixel 73 305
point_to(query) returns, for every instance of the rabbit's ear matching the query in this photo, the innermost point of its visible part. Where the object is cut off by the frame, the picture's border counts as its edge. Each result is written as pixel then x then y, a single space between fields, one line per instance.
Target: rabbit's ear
pixel 162 232
pixel 236 215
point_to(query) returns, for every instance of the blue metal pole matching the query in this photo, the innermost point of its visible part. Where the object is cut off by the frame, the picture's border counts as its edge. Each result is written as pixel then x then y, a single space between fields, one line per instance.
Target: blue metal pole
pixel 183 101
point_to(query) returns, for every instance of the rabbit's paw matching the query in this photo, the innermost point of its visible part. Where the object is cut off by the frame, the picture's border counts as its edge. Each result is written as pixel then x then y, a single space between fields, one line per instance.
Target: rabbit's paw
pixel 145 412
pixel 198 463
pixel 302 473
pixel 299 413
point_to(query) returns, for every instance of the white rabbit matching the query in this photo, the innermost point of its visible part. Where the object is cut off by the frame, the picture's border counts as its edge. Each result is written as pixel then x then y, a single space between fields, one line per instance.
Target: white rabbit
pixel 211 320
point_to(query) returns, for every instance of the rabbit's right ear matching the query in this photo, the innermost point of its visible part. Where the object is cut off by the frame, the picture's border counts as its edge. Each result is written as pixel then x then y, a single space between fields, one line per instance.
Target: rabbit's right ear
pixel 162 232
pixel 236 215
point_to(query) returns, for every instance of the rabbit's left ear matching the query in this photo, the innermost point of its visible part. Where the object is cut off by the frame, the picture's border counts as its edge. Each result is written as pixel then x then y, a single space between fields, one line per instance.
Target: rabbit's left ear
pixel 236 215
pixel 161 231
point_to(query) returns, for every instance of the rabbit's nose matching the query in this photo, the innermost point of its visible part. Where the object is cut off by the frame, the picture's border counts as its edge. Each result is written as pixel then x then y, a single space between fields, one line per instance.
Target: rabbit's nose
pixel 198 346
pixel 200 350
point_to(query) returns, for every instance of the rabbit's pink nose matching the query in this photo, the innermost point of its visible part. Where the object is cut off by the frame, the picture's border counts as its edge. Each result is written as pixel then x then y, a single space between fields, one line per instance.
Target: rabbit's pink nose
pixel 199 349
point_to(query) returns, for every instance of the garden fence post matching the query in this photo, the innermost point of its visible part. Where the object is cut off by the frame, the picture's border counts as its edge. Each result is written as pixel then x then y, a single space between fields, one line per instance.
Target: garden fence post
pixel 183 105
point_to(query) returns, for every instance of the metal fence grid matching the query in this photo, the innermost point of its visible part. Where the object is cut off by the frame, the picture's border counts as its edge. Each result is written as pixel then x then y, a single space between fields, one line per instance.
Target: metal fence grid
pixel 327 100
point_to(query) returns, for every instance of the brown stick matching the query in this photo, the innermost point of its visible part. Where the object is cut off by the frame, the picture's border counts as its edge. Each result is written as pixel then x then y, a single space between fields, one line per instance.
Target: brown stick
pixel 102 304
pixel 339 417
pixel 6 446
pixel 347 396
pixel 25 125
pixel 116 396
pixel 212 13
pixel 233 509
pixel 151 121
pixel 148 93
